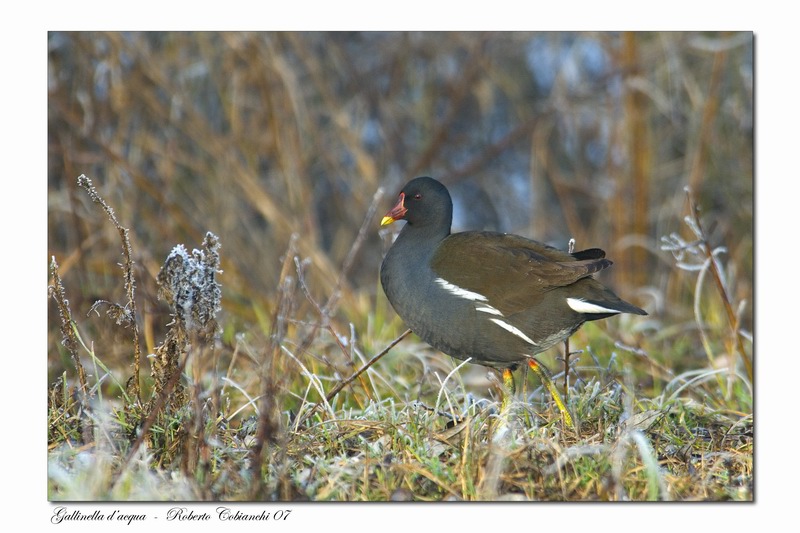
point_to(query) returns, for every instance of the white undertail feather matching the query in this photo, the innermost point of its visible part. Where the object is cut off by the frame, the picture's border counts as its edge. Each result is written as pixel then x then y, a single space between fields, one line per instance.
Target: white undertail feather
pixel 582 306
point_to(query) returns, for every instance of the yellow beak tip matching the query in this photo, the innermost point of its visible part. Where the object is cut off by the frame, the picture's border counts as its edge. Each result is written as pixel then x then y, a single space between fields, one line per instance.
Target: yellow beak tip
pixel 385 221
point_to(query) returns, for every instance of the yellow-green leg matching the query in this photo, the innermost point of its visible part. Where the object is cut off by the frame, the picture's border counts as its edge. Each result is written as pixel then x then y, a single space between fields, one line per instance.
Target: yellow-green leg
pixel 547 381
pixel 566 369
pixel 510 389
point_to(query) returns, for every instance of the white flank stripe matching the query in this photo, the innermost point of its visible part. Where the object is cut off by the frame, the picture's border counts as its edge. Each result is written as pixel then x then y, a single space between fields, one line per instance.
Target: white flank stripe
pixel 486 308
pixel 458 291
pixel 582 306
pixel 508 327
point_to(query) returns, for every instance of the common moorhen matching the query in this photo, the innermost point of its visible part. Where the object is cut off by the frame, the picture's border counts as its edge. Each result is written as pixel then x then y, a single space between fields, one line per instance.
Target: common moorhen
pixel 496 298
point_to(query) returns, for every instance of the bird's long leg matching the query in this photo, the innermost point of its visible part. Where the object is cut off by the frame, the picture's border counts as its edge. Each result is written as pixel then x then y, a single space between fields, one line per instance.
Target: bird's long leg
pixel 566 369
pixel 547 381
pixel 509 389
pixel 570 248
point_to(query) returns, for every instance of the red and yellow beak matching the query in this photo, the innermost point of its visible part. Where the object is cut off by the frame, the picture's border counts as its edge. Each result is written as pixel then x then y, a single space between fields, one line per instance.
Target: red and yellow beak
pixel 397 212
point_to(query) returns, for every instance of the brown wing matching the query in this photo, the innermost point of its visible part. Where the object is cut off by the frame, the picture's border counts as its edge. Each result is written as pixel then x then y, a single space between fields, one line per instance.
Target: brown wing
pixel 508 269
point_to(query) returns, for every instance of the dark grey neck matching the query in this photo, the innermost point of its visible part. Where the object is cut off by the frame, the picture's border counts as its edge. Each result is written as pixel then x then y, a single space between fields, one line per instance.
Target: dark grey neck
pixel 427 234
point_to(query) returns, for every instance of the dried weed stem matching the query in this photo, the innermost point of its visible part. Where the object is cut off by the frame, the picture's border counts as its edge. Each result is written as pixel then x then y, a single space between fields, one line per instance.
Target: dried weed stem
pixel 716 274
pixel 58 293
pixel 127 314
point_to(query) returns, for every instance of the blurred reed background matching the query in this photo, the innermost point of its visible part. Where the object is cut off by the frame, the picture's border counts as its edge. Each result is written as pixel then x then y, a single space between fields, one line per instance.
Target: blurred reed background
pixel 256 136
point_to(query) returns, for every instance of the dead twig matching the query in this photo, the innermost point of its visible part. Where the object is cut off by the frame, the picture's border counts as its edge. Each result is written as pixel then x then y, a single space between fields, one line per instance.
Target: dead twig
pixel 268 429
pixel 353 377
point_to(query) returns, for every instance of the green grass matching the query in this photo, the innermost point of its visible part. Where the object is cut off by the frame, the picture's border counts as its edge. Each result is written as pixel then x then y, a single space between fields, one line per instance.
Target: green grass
pixel 417 426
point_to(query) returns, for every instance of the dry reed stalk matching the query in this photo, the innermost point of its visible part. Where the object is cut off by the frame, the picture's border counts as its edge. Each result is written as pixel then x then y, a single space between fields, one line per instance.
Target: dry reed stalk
pixel 709 115
pixel 631 203
pixel 635 259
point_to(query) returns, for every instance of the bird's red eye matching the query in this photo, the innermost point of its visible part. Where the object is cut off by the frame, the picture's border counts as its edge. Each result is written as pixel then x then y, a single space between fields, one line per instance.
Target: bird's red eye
pixel 418 196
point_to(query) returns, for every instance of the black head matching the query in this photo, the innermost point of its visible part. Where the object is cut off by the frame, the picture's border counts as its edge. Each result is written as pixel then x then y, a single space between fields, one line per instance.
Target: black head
pixel 423 202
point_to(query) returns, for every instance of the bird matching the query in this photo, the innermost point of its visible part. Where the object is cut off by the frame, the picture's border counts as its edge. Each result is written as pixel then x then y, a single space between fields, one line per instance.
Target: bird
pixel 492 298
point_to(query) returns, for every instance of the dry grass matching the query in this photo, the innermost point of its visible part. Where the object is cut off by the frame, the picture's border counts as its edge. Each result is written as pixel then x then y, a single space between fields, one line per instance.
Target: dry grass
pixel 285 146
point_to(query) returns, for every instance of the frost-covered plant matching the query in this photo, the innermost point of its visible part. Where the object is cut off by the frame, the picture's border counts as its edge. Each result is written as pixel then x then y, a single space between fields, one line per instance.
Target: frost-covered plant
pixel 700 256
pixel 188 282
